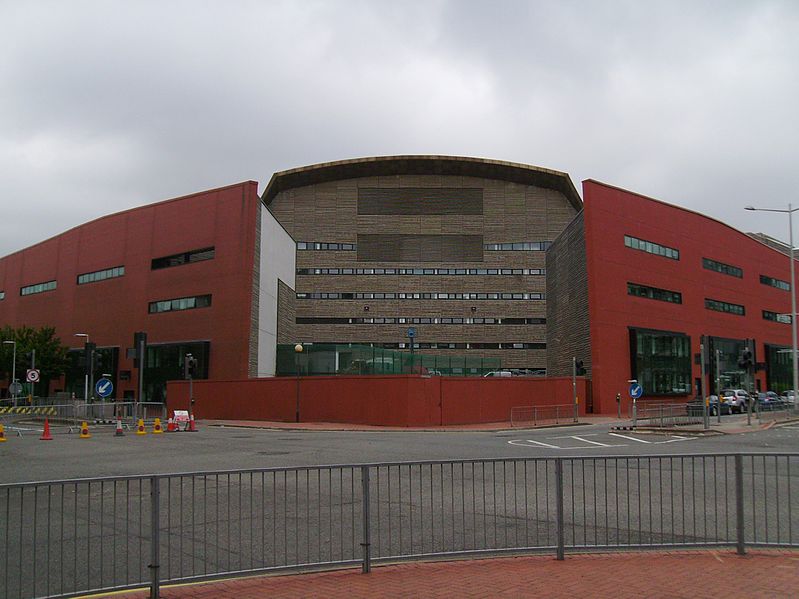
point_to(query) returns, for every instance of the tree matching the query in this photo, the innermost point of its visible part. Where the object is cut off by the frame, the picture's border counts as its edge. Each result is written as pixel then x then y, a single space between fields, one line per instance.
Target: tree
pixel 51 355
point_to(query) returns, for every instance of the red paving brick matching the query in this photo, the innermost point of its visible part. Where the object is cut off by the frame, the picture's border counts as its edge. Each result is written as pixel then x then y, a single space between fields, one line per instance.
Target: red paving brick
pixel 674 575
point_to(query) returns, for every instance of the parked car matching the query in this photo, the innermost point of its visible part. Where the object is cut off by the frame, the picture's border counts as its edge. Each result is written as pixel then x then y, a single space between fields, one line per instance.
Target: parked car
pixel 695 408
pixel 499 373
pixel 768 400
pixel 737 399
pixel 789 396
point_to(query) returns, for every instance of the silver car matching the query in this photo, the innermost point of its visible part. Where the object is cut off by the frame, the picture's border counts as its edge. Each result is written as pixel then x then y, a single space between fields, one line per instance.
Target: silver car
pixel 737 399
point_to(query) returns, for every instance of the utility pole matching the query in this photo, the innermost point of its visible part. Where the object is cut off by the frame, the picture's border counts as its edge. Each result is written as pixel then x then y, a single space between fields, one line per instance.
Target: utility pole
pixel 705 419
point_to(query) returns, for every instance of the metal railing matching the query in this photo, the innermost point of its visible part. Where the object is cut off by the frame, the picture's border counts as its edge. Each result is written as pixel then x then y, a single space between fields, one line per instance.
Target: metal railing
pixel 538 415
pixel 665 415
pixel 64 538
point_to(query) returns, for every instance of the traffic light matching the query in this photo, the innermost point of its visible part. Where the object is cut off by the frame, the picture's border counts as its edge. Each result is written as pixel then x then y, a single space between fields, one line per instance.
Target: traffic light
pixel 579 368
pixel 98 360
pixel 189 367
pixel 88 354
pixel 745 361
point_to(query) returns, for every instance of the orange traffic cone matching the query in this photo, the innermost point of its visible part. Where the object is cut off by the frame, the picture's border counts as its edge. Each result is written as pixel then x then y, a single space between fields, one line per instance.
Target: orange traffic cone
pixel 84 430
pixel 46 436
pixel 192 427
pixel 3 434
pixel 119 432
pixel 170 425
pixel 157 428
pixel 140 430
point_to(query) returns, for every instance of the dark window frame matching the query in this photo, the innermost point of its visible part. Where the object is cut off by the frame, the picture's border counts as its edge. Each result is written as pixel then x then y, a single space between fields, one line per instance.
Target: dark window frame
pixel 183 258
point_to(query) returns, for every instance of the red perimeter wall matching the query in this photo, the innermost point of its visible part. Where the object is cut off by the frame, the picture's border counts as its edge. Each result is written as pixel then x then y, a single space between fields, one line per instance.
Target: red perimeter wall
pixel 376 400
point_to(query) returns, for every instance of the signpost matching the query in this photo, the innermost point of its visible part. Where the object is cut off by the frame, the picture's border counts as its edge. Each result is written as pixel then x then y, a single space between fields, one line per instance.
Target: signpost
pixel 104 387
pixel 411 335
pixel 636 391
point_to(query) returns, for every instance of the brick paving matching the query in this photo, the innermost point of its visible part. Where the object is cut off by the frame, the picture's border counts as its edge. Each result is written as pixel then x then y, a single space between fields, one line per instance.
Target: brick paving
pixel 673 575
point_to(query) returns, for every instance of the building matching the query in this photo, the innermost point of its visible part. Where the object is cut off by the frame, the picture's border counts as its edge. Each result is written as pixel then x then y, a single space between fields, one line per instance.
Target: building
pixel 635 285
pixel 200 274
pixel 454 248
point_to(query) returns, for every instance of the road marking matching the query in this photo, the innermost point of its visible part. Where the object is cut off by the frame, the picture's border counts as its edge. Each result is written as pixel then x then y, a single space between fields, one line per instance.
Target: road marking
pixel 536 442
pixel 631 438
pixel 591 442
pixel 676 439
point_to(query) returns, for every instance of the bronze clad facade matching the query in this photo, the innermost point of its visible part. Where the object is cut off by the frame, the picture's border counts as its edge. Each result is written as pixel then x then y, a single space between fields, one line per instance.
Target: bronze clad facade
pixel 453 247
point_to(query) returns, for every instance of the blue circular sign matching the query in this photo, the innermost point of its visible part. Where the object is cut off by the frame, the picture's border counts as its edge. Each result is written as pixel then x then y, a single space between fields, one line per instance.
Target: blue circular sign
pixel 636 390
pixel 104 387
pixel 411 332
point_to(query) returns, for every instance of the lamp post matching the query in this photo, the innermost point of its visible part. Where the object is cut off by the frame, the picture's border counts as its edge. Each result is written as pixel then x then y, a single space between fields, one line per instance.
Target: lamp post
pixel 86 373
pixel 13 369
pixel 789 212
pixel 297 352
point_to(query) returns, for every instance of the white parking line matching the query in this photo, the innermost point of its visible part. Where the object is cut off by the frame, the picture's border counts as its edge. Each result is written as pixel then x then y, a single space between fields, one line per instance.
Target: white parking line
pixel 676 439
pixel 536 442
pixel 630 438
pixel 591 442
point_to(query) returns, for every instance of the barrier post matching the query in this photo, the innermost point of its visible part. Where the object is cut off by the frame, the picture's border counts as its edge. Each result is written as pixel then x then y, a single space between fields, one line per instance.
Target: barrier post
pixel 559 507
pixel 367 558
pixel 155 537
pixel 739 504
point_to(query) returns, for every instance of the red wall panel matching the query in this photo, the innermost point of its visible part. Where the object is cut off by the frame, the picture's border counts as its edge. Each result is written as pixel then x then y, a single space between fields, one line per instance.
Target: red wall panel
pixel 381 401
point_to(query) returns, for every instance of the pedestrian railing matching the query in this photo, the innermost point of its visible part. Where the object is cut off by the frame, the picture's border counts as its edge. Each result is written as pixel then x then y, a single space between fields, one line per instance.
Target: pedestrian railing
pixel 665 415
pixel 538 415
pixel 69 537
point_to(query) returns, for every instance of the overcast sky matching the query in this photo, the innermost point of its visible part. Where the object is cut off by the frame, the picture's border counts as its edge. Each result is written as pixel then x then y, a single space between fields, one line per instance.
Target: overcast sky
pixel 107 105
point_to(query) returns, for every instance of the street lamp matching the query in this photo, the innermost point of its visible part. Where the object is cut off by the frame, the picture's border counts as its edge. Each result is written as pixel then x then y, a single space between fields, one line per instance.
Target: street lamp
pixel 297 352
pixel 13 370
pixel 86 372
pixel 789 212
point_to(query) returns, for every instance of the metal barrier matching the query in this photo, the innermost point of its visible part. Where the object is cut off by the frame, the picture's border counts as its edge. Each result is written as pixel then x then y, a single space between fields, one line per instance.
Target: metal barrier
pixel 537 415
pixel 666 415
pixel 776 411
pixel 63 538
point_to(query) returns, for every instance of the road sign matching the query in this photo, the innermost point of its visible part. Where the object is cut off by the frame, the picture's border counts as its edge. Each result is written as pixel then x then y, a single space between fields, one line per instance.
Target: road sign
pixel 636 390
pixel 411 332
pixel 15 388
pixel 32 375
pixel 104 387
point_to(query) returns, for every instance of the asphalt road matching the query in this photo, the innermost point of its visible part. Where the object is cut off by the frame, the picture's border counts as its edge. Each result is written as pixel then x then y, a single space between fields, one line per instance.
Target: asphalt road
pixel 89 535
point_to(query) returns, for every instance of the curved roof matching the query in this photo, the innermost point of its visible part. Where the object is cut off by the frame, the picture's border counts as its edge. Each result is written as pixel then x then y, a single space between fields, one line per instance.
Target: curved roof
pixel 422 165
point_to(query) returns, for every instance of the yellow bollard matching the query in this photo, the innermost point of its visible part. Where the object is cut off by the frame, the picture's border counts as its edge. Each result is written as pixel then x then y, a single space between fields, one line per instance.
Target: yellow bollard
pixel 3 434
pixel 157 428
pixel 140 430
pixel 84 430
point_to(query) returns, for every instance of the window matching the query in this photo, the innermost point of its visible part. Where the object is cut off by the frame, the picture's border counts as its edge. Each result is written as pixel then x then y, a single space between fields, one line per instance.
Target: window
pixel 777 317
pixel 101 275
pixel 661 361
pixel 428 295
pixel 519 246
pixel 663 295
pixel 785 286
pixel 720 306
pixel 38 288
pixel 651 248
pixel 2 295
pixel 181 303
pixel 184 258
pixel 726 269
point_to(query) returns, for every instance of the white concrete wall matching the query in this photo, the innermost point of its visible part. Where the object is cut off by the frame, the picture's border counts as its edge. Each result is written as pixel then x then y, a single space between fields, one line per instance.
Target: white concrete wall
pixel 278 251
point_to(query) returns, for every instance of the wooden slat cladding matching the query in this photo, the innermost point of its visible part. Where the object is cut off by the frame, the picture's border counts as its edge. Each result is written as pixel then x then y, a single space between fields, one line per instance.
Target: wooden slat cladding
pixel 422 201
pixel 420 248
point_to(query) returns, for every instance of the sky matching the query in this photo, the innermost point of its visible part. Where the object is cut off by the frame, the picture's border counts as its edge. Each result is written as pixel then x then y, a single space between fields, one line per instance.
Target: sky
pixel 108 105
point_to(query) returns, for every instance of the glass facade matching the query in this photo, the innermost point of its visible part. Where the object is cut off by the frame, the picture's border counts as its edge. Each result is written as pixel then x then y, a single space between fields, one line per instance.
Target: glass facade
pixel 106 362
pixel 165 363
pixel 779 371
pixel 651 248
pixel 726 269
pixel 663 295
pixel 661 361
pixel 730 375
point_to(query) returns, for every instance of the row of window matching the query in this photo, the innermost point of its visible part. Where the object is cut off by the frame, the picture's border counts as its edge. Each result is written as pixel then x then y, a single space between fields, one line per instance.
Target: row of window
pixel 119 271
pixel 431 296
pixel 422 271
pixel 101 275
pixel 181 303
pixel 714 265
pixel 442 345
pixel 675 297
pixel 519 246
pixel 417 320
pixel 317 245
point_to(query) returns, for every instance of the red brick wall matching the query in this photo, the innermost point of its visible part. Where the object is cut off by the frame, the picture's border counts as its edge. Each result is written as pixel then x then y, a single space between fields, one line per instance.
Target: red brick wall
pixel 382 401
